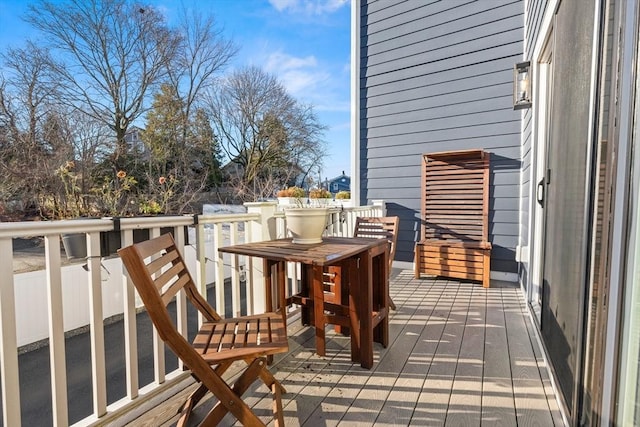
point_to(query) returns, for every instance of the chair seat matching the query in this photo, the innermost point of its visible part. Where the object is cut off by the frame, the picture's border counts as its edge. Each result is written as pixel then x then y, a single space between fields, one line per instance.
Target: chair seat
pixel 241 337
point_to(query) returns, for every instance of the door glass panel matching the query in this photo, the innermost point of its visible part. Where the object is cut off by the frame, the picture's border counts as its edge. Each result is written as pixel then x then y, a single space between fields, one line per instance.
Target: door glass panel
pixel 565 241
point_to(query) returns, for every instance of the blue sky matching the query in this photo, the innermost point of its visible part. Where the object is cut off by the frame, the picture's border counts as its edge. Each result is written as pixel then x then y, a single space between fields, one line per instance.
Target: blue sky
pixel 306 43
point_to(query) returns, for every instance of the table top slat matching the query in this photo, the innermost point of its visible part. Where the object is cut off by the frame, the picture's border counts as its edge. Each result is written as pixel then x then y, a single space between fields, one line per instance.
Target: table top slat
pixel 329 251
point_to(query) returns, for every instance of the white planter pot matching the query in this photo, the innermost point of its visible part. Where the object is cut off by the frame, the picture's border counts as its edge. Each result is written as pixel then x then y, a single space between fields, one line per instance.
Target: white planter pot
pixel 287 201
pixel 306 225
pixel 320 203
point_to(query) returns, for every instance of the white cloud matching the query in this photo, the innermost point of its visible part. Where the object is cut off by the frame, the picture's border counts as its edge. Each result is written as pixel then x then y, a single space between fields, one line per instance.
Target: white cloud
pixel 301 76
pixel 308 7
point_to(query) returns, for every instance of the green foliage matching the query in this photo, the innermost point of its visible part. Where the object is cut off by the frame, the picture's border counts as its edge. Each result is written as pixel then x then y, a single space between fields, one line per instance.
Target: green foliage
pixel 150 207
pixel 343 194
pixel 115 194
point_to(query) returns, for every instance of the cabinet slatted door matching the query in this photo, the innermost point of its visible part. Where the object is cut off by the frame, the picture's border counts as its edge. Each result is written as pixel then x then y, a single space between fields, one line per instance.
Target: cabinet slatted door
pixel 455 216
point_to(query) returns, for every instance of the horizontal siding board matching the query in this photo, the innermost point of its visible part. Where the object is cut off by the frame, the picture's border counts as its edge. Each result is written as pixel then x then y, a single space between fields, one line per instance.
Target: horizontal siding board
pixel 406 152
pixel 382 74
pixel 509 230
pixel 504 203
pixel 453 33
pixel 473 91
pixel 469 47
pixel 427 23
pixel 385 8
pixel 504 216
pixel 437 124
pixel 463 135
pixel 442 81
pixel 405 13
pixel 445 105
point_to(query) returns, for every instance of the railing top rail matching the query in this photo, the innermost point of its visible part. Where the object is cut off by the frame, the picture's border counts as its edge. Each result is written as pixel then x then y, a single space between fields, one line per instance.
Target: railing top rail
pixel 212 219
pixel 130 223
pixel 88 225
pixel 44 228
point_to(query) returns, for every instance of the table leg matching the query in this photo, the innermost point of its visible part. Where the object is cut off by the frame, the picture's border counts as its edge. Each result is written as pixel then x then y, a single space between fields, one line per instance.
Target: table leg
pixel 354 315
pixel 365 283
pixel 281 278
pixel 380 298
pixel 268 284
pixel 306 289
pixel 318 309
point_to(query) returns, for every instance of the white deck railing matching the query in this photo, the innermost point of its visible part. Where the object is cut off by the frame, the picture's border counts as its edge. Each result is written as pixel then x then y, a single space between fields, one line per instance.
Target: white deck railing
pixel 43 305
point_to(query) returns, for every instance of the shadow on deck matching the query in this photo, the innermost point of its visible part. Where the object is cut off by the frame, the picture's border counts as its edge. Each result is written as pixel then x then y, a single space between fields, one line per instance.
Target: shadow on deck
pixel 459 354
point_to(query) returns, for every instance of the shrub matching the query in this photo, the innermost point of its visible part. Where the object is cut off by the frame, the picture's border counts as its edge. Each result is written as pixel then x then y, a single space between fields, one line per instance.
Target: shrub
pixel 343 194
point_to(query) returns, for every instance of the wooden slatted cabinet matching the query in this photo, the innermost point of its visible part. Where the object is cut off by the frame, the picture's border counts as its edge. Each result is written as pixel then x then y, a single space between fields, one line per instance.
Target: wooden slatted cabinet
pixel 455 216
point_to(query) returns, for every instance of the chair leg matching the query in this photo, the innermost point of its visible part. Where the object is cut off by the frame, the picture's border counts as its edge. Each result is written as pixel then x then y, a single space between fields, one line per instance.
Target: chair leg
pixel 197 395
pixel 268 379
pixel 242 412
pixel 190 403
pixel 278 412
pixel 392 304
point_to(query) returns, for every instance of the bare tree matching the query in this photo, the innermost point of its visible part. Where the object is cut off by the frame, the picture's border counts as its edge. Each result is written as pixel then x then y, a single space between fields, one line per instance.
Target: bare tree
pixel 269 137
pixel 35 129
pixel 202 55
pixel 112 52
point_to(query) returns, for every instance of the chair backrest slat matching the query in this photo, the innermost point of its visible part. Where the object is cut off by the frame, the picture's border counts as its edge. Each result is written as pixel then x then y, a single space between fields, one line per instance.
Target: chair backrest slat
pixel 380 228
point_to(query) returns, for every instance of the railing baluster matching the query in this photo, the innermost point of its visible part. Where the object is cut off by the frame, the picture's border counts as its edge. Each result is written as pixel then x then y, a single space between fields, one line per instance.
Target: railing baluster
pixel 158 345
pixel 217 242
pixel 201 265
pixel 249 270
pixel 181 298
pixel 56 331
pixel 130 331
pixel 8 340
pixel 96 325
pixel 235 274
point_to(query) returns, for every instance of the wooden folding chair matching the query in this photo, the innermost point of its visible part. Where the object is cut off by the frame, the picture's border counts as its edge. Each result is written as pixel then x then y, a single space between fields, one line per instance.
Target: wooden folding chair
pixel 158 272
pixel 381 228
pixel 371 227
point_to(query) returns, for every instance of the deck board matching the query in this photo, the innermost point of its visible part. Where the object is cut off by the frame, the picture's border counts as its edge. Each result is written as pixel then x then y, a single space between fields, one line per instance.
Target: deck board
pixel 458 355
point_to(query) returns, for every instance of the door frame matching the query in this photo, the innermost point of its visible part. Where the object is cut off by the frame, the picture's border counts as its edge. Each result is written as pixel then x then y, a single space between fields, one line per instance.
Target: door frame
pixel 540 125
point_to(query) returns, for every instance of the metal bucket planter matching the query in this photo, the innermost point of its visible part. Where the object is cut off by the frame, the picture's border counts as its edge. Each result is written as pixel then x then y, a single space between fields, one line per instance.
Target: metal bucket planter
pixel 306 225
pixel 75 245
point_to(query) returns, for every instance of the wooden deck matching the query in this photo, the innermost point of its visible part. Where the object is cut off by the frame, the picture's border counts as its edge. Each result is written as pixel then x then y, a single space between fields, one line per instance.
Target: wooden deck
pixel 459 355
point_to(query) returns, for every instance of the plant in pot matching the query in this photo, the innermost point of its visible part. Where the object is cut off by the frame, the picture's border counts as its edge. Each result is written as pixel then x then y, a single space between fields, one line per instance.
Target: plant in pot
pixel 306 222
pixel 113 197
pixel 320 197
pixel 343 195
pixel 344 198
pixel 290 196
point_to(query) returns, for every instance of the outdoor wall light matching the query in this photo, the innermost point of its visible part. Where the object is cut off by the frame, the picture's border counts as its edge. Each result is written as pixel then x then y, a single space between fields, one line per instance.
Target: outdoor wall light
pixel 522 85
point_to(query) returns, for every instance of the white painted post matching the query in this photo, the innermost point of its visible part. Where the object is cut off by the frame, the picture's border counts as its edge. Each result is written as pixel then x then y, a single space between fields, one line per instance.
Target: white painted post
pixel 56 331
pixel 381 207
pixel 96 324
pixel 8 339
pixel 260 230
pixel 130 331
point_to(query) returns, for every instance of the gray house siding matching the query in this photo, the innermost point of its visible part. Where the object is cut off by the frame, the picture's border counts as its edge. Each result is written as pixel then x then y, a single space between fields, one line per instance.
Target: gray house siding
pixel 437 76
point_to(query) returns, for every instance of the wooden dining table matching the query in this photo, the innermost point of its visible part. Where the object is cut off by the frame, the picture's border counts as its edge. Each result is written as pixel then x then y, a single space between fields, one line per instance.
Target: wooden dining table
pixel 366 263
